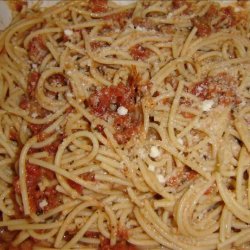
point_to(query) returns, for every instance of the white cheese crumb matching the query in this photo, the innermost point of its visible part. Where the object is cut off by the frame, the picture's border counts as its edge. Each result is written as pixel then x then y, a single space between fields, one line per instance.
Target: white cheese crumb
pixel 34 66
pixel 180 141
pixel 154 152
pixel 207 105
pixel 68 94
pixel 43 203
pixel 34 115
pixel 68 32
pixel 138 28
pixel 161 178
pixel 151 168
pixel 141 153
pixel 122 110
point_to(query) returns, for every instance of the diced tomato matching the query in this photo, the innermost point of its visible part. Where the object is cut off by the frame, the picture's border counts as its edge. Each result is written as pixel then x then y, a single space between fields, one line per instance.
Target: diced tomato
pixel 139 52
pixel 58 79
pixel 6 235
pixel 221 87
pixel 24 103
pixel 91 234
pixel 178 3
pixel 53 147
pixel 97 6
pixel 122 245
pixel 105 102
pixel 181 177
pixel 126 127
pixel 187 115
pixel 36 128
pixel 26 245
pixel 203 27
pixel 33 78
pixel 89 176
pixel 119 19
pixel 34 175
pixel 52 197
pixel 98 44
pixel 122 233
pixel 225 17
pixel 20 4
pixel 100 128
pixel 143 23
pixel 76 186
pixel 209 190
pixel 69 110
pixel 13 135
pixel 31 105
pixel 108 99
pixel 37 50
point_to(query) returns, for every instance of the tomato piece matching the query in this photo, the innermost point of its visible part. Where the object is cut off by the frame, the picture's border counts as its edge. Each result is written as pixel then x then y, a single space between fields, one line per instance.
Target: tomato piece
pixel 126 127
pixel 89 176
pixel 108 99
pixel 36 128
pixel 37 50
pixel 53 147
pixel 58 79
pixel 181 177
pixel 79 188
pixel 121 245
pixel 139 52
pixel 24 103
pixel 122 233
pixel 98 44
pixel 33 79
pixel 97 6
pixel 91 234
pixel 221 87
pixel 203 27
pixel 119 19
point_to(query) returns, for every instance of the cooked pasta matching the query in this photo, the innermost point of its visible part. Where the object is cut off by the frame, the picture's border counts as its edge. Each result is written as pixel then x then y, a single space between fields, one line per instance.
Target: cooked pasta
pixel 125 126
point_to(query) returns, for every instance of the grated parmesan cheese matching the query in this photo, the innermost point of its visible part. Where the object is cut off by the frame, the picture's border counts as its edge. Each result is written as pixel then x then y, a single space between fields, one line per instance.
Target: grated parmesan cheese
pixel 154 152
pixel 161 178
pixel 207 105
pixel 122 110
pixel 180 141
pixel 43 203
pixel 68 32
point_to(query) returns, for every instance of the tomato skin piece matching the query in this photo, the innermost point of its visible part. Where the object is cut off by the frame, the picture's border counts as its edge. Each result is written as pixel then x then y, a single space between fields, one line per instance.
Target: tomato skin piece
pixel 220 87
pixel 98 6
pixel 138 52
pixel 76 186
pixel 37 50
pixel 33 79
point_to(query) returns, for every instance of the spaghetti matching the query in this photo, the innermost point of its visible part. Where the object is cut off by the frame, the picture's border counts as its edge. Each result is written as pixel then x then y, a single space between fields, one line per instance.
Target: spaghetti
pixel 125 126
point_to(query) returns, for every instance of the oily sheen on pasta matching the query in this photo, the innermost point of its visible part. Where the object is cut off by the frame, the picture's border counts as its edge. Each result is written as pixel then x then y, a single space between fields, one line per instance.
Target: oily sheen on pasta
pixel 125 126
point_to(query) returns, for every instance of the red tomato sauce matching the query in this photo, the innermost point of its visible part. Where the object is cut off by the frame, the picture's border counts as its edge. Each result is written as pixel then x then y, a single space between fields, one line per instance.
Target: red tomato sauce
pixel 37 49
pixel 105 102
pixel 221 87
pixel 139 52
pixel 98 6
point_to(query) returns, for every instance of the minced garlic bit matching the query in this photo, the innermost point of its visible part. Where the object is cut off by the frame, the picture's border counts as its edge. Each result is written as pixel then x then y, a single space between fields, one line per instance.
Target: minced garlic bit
pixel 207 105
pixel 43 203
pixel 154 152
pixel 68 32
pixel 122 110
